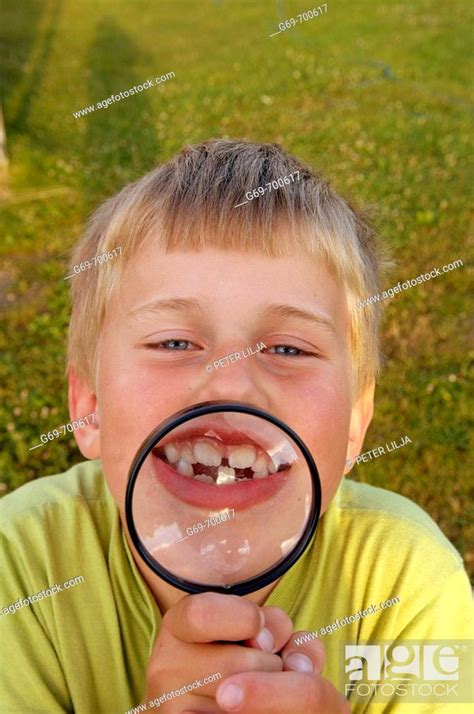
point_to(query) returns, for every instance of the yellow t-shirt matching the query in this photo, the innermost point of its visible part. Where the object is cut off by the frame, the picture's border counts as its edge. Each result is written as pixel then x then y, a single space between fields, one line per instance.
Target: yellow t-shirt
pixel 84 648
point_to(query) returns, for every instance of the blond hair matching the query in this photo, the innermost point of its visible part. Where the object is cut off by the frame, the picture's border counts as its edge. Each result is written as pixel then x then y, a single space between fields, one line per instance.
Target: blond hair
pixel 189 202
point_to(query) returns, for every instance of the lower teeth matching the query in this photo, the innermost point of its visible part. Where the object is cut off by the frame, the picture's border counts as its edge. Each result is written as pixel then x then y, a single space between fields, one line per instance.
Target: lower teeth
pixel 225 474
pixel 220 475
pixel 204 478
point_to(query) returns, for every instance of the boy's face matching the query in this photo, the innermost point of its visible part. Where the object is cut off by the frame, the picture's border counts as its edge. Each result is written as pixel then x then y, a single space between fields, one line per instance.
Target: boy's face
pixel 176 313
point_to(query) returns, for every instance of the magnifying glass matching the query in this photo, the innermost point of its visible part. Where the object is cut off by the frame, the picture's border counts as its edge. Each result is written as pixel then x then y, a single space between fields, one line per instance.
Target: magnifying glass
pixel 222 497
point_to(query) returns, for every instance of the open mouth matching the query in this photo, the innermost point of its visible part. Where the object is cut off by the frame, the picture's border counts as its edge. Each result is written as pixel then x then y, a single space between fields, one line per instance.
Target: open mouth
pixel 211 461
pixel 193 464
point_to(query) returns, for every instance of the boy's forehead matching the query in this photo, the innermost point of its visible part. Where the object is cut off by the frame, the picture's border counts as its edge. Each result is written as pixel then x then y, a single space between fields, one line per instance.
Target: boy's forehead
pixel 209 264
pixel 195 280
pixel 154 264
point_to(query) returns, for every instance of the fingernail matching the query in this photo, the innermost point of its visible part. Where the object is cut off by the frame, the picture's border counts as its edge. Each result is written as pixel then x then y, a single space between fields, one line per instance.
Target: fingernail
pixel 230 697
pixel 265 640
pixel 299 662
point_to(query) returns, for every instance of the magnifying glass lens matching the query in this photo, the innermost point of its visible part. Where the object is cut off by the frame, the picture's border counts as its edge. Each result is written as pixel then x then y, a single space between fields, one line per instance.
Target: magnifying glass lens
pixel 221 499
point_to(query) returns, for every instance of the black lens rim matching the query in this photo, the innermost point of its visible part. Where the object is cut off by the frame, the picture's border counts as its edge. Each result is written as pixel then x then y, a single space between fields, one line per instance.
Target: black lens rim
pixel 263 579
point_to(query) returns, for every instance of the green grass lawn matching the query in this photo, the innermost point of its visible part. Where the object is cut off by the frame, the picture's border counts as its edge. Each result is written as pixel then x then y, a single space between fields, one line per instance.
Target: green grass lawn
pixel 376 94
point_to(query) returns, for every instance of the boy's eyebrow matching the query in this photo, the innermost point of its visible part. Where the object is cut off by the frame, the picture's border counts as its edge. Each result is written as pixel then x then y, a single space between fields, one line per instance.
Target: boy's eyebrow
pixel 172 304
pixel 272 311
pixel 290 311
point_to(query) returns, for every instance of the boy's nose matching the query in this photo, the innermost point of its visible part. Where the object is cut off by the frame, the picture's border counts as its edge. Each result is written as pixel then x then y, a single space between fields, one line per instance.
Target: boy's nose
pixel 237 380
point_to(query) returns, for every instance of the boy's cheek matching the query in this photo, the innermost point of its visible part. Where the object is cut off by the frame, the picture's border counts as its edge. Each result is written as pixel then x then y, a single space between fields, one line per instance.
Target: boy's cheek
pixel 116 467
pixel 328 438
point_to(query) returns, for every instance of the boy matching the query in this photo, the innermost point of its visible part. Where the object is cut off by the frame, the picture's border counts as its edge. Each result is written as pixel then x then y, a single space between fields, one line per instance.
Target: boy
pixel 204 271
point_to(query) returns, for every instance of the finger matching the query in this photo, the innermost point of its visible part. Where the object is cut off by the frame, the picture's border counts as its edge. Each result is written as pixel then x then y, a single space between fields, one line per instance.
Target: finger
pixel 278 629
pixel 211 616
pixel 202 705
pixel 231 659
pixel 284 692
pixel 308 657
pixel 222 660
pixel 193 704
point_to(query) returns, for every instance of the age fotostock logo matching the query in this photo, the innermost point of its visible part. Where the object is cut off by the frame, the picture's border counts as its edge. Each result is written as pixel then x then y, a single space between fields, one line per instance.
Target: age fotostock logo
pixel 412 670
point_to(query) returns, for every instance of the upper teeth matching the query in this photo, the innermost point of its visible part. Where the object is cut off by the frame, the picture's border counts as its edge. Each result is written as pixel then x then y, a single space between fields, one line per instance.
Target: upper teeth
pixel 260 463
pixel 172 453
pixel 187 453
pixel 184 467
pixel 211 453
pixel 242 457
pixel 207 454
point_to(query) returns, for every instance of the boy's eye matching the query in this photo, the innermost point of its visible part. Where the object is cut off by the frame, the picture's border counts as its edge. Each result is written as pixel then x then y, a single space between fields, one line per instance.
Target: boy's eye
pixel 286 351
pixel 169 345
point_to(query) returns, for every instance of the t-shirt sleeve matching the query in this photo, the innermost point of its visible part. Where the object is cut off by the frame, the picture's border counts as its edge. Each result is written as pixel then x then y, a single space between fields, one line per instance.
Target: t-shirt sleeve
pixel 32 680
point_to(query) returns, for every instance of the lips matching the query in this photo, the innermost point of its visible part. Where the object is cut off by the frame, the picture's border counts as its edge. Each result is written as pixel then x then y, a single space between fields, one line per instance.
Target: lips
pixel 216 469
pixel 213 461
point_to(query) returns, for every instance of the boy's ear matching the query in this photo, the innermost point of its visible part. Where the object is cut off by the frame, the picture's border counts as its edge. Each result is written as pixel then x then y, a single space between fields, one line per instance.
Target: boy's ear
pixel 361 416
pixel 83 402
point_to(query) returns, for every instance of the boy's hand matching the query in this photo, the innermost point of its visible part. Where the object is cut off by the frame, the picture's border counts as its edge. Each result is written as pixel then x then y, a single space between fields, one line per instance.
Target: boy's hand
pixel 193 644
pixel 299 689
